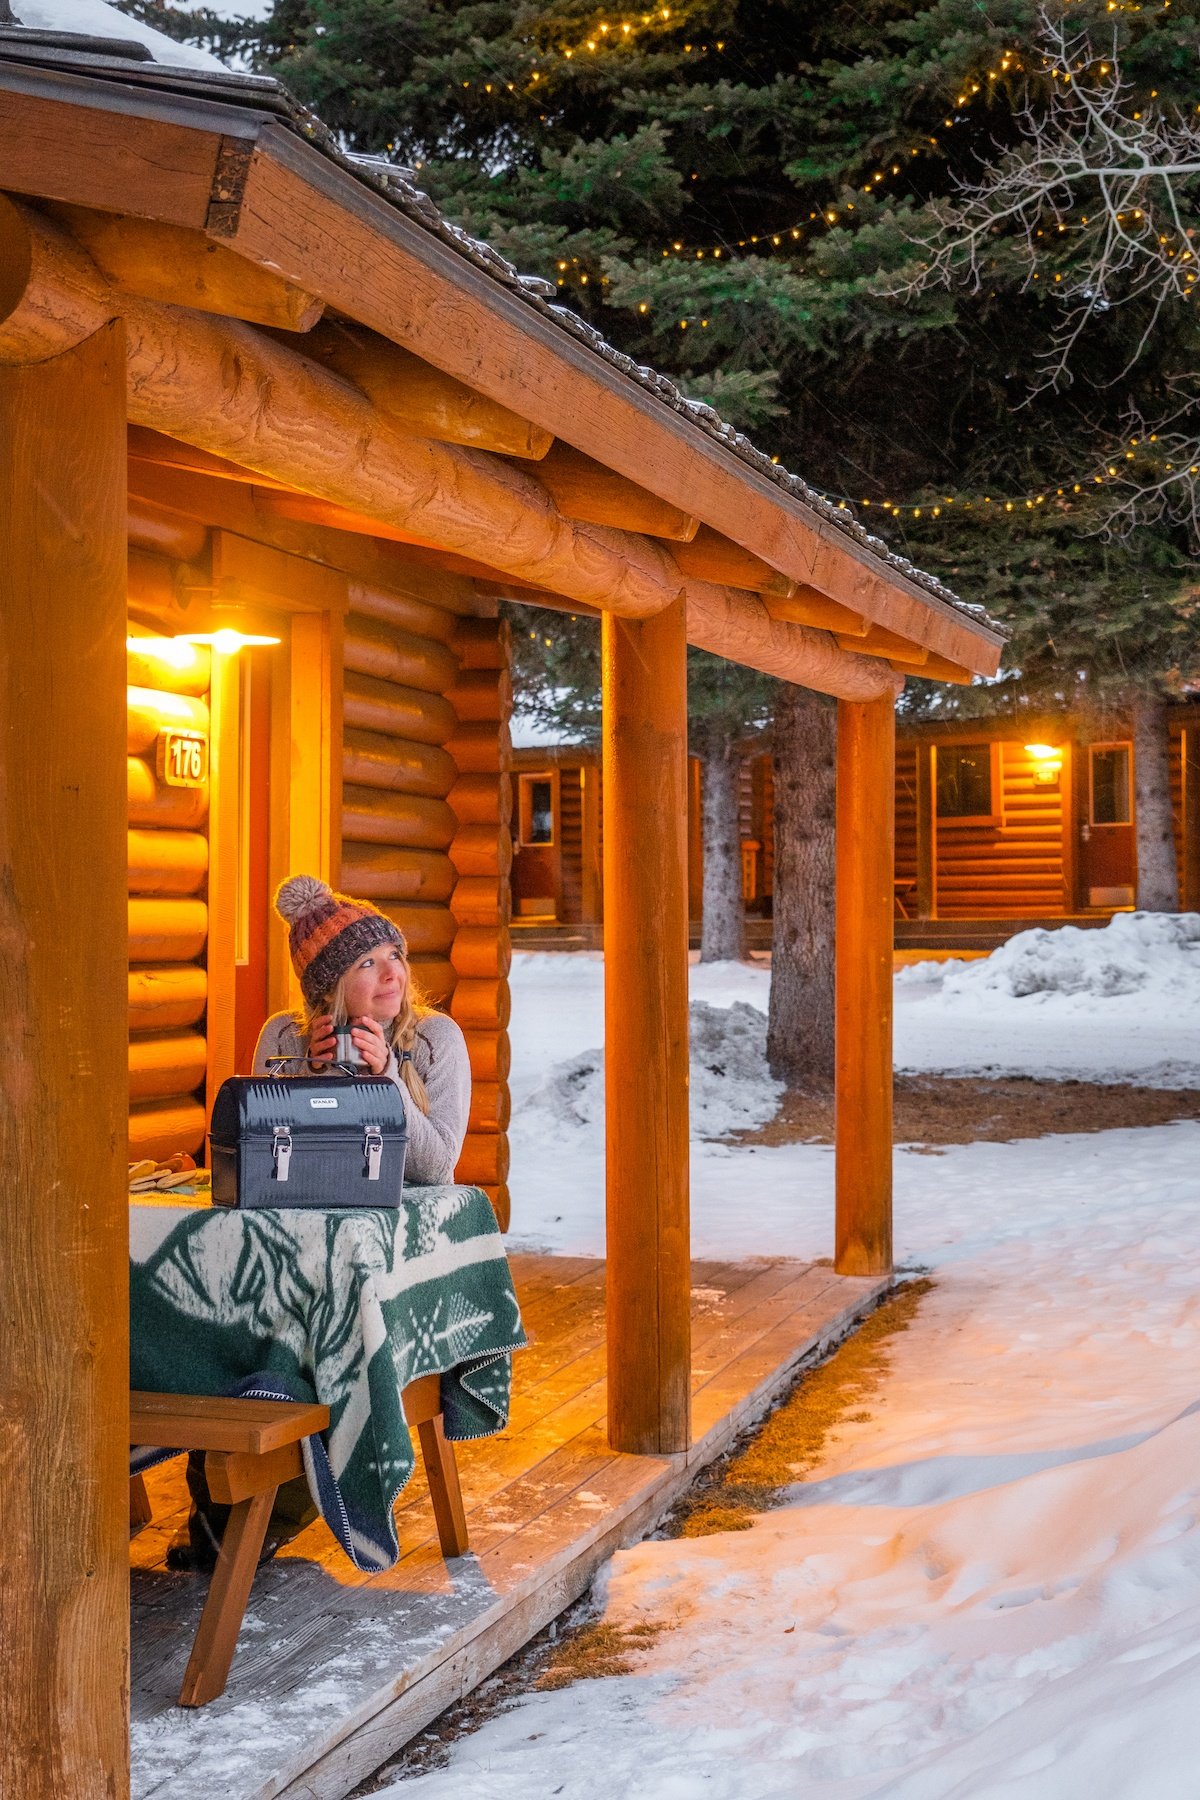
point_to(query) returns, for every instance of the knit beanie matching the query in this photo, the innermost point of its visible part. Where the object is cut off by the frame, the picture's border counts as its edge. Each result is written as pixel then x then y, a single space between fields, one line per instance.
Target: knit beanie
pixel 328 932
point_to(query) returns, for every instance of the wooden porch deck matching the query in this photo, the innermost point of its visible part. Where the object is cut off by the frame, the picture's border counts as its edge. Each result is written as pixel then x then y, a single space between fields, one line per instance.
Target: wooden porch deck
pixel 335 1670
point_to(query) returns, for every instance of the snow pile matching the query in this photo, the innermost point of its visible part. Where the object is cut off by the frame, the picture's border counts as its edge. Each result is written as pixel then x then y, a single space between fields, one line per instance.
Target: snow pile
pixel 731 1087
pixel 991 1589
pixel 94 18
pixel 1134 951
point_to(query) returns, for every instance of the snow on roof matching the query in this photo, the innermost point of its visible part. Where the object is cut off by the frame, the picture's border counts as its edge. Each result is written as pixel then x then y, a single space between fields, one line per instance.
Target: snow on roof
pixel 95 19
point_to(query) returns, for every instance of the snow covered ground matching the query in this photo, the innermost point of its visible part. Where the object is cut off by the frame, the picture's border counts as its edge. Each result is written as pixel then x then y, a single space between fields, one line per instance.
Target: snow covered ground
pixel 991 1589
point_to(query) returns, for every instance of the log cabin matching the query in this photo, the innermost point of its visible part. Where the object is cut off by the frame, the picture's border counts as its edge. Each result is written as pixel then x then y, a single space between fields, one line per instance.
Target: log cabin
pixel 278 438
pixel 993 834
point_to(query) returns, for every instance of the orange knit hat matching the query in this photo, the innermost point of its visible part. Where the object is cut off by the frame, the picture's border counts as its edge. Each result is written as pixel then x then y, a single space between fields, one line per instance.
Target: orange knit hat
pixel 328 932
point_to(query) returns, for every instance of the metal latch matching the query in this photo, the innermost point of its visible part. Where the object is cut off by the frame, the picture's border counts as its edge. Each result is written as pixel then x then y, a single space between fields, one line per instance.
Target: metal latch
pixel 281 1151
pixel 373 1150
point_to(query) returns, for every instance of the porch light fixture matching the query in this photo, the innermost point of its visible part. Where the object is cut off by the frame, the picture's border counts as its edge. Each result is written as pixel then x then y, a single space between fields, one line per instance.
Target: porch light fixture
pixel 225 642
pixel 1047 763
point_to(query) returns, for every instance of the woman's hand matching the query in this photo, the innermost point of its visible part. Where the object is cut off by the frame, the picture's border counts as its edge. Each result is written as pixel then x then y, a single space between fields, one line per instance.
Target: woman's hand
pixel 321 1040
pixel 367 1037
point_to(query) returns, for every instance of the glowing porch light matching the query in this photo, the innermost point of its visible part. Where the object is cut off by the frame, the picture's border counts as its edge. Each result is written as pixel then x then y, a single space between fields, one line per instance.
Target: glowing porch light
pixel 1047 760
pixel 175 652
pixel 225 642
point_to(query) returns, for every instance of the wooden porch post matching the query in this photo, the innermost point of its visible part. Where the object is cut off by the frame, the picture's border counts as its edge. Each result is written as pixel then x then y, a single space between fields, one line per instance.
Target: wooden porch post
pixel 64 1220
pixel 646 1031
pixel 863 1097
pixel 926 830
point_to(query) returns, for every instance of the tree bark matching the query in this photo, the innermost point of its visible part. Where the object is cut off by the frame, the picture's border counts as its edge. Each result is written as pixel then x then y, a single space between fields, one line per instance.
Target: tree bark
pixel 800 1045
pixel 1157 873
pixel 722 934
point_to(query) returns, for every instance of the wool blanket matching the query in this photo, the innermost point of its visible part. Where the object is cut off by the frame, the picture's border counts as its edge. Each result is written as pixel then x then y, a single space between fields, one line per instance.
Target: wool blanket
pixel 342 1307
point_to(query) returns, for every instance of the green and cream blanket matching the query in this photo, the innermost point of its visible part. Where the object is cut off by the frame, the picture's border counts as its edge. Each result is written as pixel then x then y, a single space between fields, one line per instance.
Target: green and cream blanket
pixel 342 1307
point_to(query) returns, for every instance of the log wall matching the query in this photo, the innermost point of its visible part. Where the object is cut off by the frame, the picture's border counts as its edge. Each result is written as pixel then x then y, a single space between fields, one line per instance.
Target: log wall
pixel 1012 868
pixel 168 912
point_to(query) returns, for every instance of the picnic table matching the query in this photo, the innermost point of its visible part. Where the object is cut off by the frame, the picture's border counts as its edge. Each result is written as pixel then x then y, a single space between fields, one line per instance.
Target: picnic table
pixel 346 1308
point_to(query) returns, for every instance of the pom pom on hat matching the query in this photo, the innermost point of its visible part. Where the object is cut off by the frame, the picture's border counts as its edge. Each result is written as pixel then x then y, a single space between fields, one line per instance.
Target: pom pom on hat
pixel 299 895
pixel 328 932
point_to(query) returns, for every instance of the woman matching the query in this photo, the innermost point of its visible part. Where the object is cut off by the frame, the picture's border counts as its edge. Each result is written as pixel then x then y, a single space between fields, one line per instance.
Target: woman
pixel 353 972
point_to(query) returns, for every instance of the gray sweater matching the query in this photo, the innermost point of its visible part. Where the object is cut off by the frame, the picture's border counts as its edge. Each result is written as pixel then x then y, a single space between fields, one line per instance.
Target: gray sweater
pixel 440 1059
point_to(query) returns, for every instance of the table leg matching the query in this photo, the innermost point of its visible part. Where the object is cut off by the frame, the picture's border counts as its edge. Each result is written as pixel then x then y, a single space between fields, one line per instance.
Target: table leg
pixel 441 1472
pixel 140 1510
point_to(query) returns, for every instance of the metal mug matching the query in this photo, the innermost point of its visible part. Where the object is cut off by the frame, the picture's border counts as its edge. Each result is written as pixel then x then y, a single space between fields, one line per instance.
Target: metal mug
pixel 345 1050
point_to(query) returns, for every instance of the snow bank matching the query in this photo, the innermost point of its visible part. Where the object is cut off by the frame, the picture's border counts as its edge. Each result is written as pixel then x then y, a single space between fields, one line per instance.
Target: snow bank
pixel 991 1589
pixel 94 18
pixel 1135 952
pixel 731 1088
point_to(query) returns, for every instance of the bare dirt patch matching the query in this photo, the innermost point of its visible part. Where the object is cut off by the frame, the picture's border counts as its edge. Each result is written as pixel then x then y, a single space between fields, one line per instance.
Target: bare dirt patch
pixel 954 1109
pixel 794 1438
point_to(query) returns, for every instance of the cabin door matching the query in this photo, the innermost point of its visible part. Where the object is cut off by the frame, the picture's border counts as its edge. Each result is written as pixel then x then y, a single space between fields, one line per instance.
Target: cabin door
pixel 251 1002
pixel 536 870
pixel 1108 857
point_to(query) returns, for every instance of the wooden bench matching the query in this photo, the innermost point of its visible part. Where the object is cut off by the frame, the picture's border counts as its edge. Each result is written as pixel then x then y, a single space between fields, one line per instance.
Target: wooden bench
pixel 251 1448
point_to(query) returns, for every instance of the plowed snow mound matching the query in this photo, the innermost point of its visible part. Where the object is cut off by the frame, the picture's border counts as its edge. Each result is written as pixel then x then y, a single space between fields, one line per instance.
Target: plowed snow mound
pixel 1134 952
pixel 731 1088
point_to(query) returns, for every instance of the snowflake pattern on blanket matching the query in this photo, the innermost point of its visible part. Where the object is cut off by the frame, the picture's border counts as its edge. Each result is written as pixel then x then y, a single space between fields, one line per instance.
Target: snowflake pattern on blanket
pixel 343 1307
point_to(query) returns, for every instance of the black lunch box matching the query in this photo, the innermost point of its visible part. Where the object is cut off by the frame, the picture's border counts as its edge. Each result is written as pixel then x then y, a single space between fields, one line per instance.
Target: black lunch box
pixel 334 1141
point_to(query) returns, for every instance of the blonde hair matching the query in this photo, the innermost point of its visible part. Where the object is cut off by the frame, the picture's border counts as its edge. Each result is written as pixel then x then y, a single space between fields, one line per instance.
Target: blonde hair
pixel 401 1034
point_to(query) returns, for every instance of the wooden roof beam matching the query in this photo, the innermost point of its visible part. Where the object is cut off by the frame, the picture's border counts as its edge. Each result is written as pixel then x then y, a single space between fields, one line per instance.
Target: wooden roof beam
pixel 803 605
pixel 186 268
pixel 584 489
pixel 878 642
pixel 933 668
pixel 228 390
pixel 711 557
pixel 421 398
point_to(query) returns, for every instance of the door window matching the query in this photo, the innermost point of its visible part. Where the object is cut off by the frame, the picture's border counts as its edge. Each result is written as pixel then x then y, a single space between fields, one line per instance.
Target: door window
pixel 537 809
pixel 1110 784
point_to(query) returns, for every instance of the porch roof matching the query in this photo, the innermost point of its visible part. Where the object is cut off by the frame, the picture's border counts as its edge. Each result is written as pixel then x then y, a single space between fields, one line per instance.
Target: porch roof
pixel 234 159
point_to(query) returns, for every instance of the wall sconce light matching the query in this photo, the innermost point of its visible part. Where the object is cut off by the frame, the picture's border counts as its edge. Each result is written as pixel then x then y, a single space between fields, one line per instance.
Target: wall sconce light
pixel 1047 763
pixel 225 642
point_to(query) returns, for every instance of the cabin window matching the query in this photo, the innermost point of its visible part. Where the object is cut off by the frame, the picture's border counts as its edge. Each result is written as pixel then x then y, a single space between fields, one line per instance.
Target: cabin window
pixel 537 809
pixel 1110 784
pixel 964 781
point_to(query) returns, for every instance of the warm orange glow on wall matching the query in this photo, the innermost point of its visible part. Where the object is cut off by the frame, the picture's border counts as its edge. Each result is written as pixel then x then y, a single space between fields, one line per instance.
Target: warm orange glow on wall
pixel 177 653
pixel 1048 760
pixel 226 642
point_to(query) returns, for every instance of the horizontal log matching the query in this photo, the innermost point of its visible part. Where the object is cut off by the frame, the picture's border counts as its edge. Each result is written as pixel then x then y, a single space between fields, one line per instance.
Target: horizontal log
pixel 477 749
pixel 396 765
pixel 405 612
pixel 484 1160
pixel 163 452
pixel 482 1005
pixel 166 930
pixel 739 627
pixel 482 952
pixel 398 656
pixel 167 862
pixel 491 1108
pixel 482 695
pixel 712 557
pixel 803 605
pixel 403 712
pixel 934 668
pixel 151 711
pixel 161 588
pixel 152 804
pixel 163 997
pixel 186 268
pixel 421 399
pixel 159 1128
pixel 415 821
pixel 481 643
pixel 584 489
pixel 480 900
pixel 424 875
pixel 481 799
pixel 434 976
pixel 162 1067
pixel 877 642
pixel 157 529
pixel 482 850
pixel 490 1054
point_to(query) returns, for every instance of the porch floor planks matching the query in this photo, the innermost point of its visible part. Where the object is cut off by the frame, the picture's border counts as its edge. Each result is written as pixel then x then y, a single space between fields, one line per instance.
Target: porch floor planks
pixel 336 1670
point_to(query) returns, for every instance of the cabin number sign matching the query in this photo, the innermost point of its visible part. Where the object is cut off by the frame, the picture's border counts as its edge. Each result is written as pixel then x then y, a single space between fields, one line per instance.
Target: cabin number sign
pixel 182 758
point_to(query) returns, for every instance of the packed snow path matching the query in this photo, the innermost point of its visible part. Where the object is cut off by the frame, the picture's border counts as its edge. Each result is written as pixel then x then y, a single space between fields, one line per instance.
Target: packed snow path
pixel 991 1589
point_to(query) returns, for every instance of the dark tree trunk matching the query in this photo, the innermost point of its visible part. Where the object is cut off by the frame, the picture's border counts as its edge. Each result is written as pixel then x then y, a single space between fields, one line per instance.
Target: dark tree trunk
pixel 1157 874
pixel 800 1022
pixel 722 931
